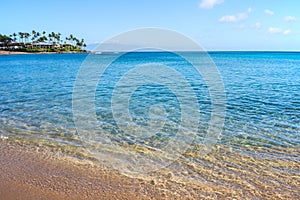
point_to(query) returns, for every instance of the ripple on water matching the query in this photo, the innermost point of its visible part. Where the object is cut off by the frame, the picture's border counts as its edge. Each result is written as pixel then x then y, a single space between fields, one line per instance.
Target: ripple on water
pixel 260 140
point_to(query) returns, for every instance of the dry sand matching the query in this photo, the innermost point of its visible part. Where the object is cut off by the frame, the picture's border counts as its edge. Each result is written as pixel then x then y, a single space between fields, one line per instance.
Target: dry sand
pixel 21 52
pixel 12 52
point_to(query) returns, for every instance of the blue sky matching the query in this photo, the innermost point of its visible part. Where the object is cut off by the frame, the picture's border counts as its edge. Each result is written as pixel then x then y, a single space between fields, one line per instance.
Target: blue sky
pixel 214 24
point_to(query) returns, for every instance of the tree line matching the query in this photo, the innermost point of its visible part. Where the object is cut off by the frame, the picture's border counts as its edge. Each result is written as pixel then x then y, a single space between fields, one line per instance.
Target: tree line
pixel 34 37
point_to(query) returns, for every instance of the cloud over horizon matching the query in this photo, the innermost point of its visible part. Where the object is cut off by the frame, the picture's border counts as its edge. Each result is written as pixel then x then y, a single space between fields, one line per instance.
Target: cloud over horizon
pixel 257 25
pixel 290 19
pixel 208 4
pixel 235 18
pixel 276 30
pixel 269 12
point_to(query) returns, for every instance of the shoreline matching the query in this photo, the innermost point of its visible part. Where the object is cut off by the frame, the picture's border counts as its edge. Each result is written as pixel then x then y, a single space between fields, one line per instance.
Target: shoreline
pixel 26 53
pixel 29 172
pixel 2 52
pixel 41 172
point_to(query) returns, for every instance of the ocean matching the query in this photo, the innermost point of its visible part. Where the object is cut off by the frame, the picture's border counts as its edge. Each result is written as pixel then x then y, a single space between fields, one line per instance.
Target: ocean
pixel 261 124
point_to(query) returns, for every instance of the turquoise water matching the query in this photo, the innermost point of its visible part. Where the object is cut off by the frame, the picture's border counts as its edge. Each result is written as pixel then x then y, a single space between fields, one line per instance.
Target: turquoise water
pixel 262 97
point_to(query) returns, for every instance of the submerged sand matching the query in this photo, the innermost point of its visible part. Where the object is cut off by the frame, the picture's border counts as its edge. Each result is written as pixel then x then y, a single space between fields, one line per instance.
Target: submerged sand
pixel 37 172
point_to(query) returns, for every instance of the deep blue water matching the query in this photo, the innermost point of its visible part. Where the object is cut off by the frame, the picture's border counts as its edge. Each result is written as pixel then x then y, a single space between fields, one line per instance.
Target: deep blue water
pixel 262 96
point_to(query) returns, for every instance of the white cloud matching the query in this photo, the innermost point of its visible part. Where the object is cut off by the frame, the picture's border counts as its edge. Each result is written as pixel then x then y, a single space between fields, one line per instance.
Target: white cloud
pixel 257 25
pixel 274 30
pixel 287 32
pixel 235 18
pixel 228 18
pixel 269 12
pixel 290 19
pixel 241 26
pixel 208 4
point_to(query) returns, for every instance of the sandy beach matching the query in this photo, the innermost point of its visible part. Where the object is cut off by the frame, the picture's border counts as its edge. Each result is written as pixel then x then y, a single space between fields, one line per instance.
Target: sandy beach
pixel 21 52
pixel 33 173
pixel 156 100
pixel 12 52
pixel 42 156
pixel 37 172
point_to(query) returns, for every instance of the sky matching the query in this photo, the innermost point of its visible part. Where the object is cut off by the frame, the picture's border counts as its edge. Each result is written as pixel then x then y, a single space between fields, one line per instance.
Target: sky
pixel 213 24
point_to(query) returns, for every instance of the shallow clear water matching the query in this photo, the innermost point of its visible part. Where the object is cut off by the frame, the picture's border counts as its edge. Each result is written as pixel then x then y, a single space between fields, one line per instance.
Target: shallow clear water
pixel 262 97
pixel 256 157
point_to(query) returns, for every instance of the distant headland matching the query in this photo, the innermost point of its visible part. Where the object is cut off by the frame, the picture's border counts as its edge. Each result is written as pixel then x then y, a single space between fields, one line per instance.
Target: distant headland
pixel 40 42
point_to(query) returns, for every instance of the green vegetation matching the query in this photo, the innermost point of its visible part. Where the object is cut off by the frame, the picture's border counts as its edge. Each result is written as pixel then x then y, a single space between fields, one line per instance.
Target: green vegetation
pixel 41 42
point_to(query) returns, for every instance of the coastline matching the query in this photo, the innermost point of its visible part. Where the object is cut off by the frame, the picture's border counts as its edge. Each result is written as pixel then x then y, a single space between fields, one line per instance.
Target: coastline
pixel 42 156
pixel 38 172
pixel 29 172
pixel 13 52
pixel 25 53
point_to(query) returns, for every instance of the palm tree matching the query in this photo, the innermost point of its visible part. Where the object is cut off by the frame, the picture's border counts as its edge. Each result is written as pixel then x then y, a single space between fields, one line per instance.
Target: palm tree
pixel 38 34
pixel 21 37
pixel 26 36
pixel 42 39
pixel 80 43
pixel 71 39
pixel 5 40
pixel 66 39
pixel 44 35
pixel 15 37
pixel 50 38
pixel 53 36
pixel 74 41
pixel 77 42
pixel 58 37
pixel 33 36
pixel 71 42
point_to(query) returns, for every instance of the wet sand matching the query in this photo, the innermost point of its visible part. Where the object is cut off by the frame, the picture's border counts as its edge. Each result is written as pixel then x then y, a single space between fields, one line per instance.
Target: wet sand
pixel 37 172
pixel 33 173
